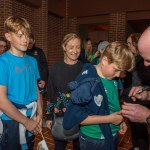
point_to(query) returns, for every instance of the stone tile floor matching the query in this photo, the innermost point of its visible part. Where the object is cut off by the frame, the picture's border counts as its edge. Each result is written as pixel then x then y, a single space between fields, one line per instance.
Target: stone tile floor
pixel 124 140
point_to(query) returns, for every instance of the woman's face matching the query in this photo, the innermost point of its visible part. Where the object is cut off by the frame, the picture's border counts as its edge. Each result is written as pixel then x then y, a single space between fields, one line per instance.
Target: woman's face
pixel 72 50
pixel 131 46
pixel 88 46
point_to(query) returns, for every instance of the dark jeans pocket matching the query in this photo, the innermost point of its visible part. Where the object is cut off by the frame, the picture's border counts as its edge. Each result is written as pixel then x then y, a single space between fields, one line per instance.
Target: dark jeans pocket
pixel 1 131
pixel 10 137
pixel 3 136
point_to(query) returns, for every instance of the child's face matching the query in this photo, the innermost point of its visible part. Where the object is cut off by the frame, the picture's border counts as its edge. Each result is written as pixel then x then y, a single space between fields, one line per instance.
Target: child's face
pixel 2 46
pixel 72 49
pixel 18 41
pixel 109 70
pixel 131 46
pixel 31 43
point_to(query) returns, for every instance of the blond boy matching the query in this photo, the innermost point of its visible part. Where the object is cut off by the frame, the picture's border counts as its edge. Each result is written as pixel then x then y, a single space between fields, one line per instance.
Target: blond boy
pixel 19 96
pixel 94 100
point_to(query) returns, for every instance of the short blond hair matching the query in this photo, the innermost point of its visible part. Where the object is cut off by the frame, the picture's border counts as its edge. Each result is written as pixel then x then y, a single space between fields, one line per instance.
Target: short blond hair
pixel 68 38
pixel 14 24
pixel 119 54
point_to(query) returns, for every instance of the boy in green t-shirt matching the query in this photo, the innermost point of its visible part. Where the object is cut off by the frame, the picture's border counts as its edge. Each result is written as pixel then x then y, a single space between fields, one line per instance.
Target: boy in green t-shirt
pixel 94 100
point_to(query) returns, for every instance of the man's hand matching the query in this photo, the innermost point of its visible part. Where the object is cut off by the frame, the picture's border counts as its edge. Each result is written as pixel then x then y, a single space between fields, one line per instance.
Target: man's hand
pixel 49 124
pixel 135 112
pixel 134 93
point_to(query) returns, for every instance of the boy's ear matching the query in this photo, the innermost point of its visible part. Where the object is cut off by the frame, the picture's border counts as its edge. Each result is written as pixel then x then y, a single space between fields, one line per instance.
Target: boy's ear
pixel 8 36
pixel 104 60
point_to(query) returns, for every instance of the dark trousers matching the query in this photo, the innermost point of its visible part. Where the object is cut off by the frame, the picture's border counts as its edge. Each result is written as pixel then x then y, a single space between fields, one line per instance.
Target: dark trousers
pixel 140 137
pixel 10 137
pixel 88 143
pixel 61 145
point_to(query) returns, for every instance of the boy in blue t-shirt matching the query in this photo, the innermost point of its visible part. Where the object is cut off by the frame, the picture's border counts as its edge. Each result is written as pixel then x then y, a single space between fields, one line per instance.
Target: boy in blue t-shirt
pixel 20 102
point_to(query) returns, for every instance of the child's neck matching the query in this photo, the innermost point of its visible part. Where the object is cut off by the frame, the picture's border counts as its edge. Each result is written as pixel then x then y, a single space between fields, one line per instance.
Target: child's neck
pixel 16 52
pixel 99 71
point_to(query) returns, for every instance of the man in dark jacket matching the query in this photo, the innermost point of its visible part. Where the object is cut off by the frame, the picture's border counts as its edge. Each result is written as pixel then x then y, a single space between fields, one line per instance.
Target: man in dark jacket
pixel 39 55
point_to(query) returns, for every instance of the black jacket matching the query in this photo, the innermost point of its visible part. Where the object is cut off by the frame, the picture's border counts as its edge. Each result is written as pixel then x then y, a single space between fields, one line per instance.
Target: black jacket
pixel 39 55
pixel 138 77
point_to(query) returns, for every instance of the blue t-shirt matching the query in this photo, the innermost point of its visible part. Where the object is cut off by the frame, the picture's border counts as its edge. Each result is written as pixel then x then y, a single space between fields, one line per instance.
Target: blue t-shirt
pixel 19 75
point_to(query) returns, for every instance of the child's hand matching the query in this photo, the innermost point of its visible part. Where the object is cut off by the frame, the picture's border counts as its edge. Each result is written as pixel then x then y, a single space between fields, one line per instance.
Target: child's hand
pixel 49 124
pixel 32 126
pixel 41 84
pixel 56 110
pixel 96 54
pixel 116 118
pixel 64 109
pixel 123 128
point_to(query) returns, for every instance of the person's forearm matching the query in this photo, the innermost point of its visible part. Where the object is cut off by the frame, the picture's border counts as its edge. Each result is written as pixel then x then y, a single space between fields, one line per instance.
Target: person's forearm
pixel 96 119
pixel 40 104
pixel 11 111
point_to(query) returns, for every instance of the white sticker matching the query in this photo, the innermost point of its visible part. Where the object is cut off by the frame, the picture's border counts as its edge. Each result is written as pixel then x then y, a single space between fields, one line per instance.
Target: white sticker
pixel 42 145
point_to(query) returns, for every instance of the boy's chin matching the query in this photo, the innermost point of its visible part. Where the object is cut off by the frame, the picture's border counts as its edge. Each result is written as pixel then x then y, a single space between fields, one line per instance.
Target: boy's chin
pixel 23 50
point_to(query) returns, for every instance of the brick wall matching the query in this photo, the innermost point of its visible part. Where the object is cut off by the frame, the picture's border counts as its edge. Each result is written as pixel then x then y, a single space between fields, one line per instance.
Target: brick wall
pixel 38 19
pixel 73 25
pixel 54 39
pixel 22 10
pixel 117 30
pixel 5 11
pixel 41 26
pixel 49 29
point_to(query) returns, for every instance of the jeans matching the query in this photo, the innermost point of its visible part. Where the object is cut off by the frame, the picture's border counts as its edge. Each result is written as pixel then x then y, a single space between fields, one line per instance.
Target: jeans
pixel 87 143
pixel 61 145
pixel 10 139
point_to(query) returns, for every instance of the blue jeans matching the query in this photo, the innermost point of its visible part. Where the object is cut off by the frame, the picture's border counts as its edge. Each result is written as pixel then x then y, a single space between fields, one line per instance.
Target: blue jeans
pixel 10 139
pixel 87 143
pixel 61 145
